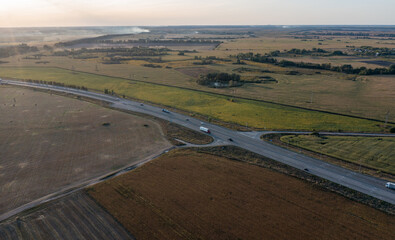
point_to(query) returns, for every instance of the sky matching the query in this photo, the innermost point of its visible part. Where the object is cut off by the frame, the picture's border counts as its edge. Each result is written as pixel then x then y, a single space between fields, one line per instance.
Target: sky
pixel 46 13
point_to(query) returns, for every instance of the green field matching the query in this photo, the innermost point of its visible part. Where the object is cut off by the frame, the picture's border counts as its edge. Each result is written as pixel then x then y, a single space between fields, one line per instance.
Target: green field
pixel 373 152
pixel 244 112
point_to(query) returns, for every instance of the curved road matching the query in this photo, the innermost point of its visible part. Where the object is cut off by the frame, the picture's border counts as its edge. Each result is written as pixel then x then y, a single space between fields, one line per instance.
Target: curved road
pixel 250 141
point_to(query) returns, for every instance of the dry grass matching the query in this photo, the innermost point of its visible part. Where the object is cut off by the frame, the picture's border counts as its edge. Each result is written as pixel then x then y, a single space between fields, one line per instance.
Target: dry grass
pixel 268 44
pixel 190 195
pixel 194 72
pixel 49 142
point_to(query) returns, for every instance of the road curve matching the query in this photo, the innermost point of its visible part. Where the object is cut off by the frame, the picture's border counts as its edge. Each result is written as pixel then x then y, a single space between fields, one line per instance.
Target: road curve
pixel 250 141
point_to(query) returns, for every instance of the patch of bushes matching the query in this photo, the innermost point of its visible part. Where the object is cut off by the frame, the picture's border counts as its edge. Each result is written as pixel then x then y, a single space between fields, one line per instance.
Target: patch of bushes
pixel 220 80
pixel 152 65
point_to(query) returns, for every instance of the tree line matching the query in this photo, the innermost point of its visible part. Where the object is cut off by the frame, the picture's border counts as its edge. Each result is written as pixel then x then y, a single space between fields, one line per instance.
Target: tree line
pixel 346 68
pixel 15 50
pixel 354 34
pixel 133 41
pixel 57 84
pixel 110 52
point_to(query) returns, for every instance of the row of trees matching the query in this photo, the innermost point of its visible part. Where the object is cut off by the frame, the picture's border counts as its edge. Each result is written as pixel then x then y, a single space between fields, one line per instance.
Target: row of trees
pixel 102 40
pixel 324 66
pixel 111 52
pixel 298 52
pixel 314 51
pixel 357 34
pixel 15 50
pixel 57 84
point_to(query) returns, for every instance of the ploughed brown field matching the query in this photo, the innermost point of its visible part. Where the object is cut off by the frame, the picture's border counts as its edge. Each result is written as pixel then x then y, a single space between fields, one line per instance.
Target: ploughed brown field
pixel 189 195
pixel 75 216
pixel 50 142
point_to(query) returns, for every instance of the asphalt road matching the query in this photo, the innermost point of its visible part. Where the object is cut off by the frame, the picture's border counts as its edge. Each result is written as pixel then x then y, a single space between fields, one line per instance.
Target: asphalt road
pixel 250 141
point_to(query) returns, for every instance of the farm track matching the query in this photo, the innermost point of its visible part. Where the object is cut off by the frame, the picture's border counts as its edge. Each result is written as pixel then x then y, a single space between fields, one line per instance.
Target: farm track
pixel 76 216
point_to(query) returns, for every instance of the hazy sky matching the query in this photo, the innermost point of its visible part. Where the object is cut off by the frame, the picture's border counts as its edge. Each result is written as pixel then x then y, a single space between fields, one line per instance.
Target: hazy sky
pixel 36 13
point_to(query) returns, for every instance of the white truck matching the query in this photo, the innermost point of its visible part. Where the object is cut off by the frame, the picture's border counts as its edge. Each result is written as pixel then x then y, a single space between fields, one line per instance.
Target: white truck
pixel 390 185
pixel 204 129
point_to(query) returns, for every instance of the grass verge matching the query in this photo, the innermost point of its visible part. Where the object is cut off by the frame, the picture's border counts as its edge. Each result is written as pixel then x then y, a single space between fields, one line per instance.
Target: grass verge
pixel 275 139
pixel 373 152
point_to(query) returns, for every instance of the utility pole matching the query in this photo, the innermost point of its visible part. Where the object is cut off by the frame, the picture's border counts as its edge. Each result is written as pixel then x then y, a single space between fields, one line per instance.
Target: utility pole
pixel 311 97
pixel 386 118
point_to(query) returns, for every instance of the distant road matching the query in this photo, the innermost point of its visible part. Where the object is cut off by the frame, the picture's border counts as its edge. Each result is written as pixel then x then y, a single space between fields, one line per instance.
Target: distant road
pixel 250 141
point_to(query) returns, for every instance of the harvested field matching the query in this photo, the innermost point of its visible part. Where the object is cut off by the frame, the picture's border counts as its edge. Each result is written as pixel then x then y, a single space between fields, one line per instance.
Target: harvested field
pixel 194 195
pixel 72 217
pixel 50 142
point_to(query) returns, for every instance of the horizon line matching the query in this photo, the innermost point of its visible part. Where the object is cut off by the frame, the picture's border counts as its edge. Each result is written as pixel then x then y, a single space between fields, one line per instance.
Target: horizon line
pixel 211 25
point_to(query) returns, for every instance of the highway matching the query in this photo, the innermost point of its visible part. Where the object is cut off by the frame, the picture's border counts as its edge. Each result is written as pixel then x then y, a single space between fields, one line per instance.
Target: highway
pixel 250 141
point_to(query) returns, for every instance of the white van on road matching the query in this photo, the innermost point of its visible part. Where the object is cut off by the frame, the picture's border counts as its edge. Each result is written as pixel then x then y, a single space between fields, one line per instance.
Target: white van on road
pixel 390 185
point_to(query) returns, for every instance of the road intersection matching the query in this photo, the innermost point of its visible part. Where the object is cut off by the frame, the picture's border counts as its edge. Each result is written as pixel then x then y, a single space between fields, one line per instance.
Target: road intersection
pixel 248 140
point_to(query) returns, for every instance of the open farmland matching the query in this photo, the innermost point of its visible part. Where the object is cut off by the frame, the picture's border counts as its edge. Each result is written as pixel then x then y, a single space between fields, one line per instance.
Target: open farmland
pixel 266 44
pixel 366 96
pixel 369 96
pixel 373 152
pixel 191 195
pixel 50 142
pixel 244 112
pixel 72 217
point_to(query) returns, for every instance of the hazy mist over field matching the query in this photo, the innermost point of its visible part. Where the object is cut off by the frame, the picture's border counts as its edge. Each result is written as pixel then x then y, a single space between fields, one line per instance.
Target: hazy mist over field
pixel 36 13
pixel 48 34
